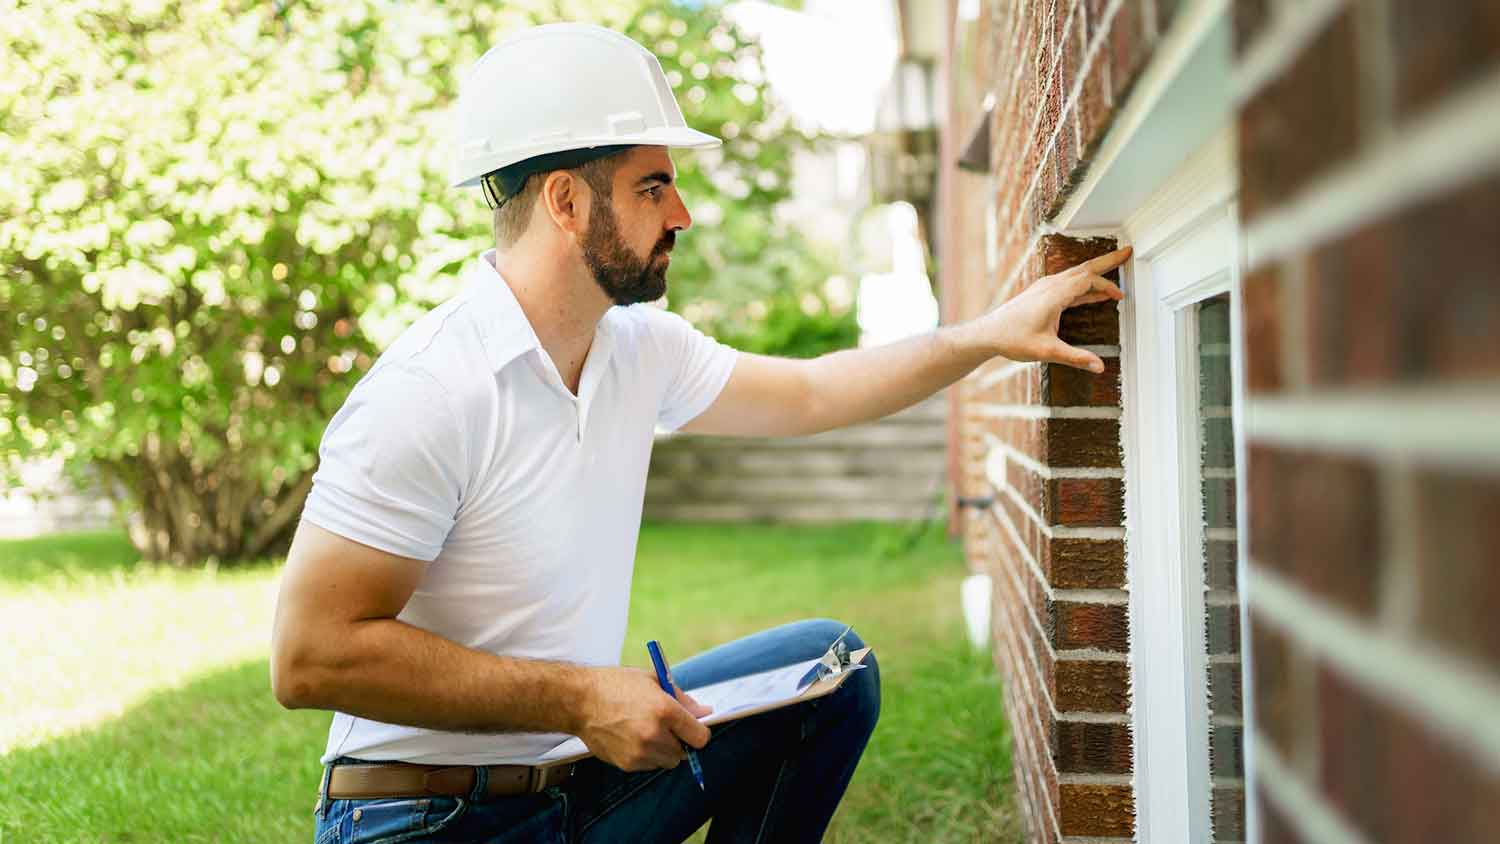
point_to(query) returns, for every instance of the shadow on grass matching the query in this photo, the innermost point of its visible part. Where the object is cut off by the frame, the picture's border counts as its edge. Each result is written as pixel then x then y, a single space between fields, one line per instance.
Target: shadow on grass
pixel 217 760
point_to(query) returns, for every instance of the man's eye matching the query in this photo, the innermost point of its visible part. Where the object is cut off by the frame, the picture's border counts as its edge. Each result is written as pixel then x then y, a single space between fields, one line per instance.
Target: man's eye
pixel 654 191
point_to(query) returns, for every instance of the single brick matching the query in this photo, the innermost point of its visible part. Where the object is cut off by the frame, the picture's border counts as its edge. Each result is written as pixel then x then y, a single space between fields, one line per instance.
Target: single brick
pixel 1104 627
pixel 1215 385
pixel 1355 308
pixel 1440 47
pixel 1226 753
pixel 1091 686
pixel 1223 628
pixel 1097 810
pixel 1218 502
pixel 1218 442
pixel 1085 748
pixel 1224 688
pixel 1088 443
pixel 1315 518
pixel 1229 814
pixel 1060 442
pixel 1317 89
pixel 1086 502
pixel 1221 564
pixel 1067 386
pixel 1458 524
pixel 1085 563
pixel 1450 240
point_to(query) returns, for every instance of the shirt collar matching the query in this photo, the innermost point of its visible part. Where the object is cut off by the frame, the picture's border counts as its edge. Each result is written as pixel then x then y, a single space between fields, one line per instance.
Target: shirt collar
pixel 507 333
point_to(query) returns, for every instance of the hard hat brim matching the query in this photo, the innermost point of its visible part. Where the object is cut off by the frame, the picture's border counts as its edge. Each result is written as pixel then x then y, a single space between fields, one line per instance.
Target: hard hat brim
pixel 670 136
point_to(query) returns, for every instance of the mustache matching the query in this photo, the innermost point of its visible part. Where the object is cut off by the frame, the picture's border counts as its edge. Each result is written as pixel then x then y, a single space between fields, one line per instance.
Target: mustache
pixel 665 244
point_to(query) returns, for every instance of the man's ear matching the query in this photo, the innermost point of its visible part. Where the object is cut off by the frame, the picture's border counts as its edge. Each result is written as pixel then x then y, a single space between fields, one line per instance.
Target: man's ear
pixel 565 200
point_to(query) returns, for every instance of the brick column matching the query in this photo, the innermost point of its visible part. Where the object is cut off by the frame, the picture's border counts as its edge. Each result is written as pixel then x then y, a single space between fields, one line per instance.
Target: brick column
pixel 1048 441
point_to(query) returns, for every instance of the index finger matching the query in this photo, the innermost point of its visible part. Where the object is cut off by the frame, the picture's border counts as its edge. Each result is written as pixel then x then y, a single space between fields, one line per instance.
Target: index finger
pixel 1108 261
pixel 688 728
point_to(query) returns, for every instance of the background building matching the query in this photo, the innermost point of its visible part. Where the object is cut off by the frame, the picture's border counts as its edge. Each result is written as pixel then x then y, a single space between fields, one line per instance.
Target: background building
pixel 1287 483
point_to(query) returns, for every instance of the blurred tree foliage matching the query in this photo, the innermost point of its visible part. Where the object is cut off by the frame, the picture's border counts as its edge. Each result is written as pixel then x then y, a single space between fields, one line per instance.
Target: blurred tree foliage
pixel 215 213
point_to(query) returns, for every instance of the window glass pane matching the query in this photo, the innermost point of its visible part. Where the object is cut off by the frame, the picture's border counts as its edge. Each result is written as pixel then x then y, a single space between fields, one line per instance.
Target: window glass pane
pixel 1221 599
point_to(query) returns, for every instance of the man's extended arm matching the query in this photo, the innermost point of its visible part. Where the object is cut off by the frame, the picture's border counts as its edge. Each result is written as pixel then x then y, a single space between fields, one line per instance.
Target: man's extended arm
pixel 336 644
pixel 769 396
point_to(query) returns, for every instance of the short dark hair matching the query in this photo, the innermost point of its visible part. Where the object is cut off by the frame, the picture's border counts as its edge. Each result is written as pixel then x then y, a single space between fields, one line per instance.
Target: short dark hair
pixel 512 217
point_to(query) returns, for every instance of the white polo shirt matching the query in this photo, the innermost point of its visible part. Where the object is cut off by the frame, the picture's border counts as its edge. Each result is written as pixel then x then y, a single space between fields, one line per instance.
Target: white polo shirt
pixel 461 446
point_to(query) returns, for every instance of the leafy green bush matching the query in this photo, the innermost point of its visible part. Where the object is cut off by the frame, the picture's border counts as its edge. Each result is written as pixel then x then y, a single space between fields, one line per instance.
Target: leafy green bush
pixel 215 213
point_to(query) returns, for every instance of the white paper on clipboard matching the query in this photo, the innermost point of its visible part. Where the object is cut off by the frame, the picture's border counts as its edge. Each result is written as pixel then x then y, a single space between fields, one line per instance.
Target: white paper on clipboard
pixel 741 697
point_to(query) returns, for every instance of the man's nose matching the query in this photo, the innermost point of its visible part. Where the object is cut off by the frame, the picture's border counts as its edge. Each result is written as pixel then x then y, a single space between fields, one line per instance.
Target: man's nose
pixel 679 219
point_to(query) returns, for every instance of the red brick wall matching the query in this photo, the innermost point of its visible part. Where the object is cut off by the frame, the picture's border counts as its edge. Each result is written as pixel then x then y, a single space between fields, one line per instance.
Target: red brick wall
pixel 1372 344
pixel 1041 441
pixel 1369 149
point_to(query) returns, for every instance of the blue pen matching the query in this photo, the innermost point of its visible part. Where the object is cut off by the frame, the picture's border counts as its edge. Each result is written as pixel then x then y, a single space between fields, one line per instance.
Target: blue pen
pixel 664 677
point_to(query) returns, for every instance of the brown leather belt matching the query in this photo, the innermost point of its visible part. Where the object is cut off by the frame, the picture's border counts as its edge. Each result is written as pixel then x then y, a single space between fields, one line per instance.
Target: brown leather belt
pixel 404 779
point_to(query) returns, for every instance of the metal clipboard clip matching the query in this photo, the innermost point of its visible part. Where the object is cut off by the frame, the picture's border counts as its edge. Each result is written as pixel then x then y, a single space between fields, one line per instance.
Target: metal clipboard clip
pixel 834 662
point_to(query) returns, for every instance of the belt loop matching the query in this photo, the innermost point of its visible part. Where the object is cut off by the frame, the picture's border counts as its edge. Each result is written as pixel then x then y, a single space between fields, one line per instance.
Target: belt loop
pixel 481 783
pixel 323 801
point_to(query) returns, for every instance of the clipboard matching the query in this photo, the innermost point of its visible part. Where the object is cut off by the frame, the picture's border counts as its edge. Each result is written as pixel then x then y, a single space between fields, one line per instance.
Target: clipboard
pixel 814 679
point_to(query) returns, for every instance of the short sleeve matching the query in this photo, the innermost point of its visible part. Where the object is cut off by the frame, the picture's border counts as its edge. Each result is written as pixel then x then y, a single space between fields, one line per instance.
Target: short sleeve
pixel 388 477
pixel 698 366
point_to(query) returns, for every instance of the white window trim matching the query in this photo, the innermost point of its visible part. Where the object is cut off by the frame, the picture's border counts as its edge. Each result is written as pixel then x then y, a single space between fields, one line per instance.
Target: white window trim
pixel 1186 237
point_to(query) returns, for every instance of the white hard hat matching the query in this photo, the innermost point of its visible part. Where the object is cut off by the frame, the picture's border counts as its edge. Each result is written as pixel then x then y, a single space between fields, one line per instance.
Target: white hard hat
pixel 564 86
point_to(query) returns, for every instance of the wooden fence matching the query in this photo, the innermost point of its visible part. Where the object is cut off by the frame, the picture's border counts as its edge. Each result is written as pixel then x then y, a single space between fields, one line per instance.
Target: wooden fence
pixel 48 503
pixel 889 470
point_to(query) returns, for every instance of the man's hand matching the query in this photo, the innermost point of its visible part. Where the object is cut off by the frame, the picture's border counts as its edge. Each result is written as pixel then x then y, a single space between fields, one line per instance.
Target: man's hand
pixel 1025 328
pixel 630 723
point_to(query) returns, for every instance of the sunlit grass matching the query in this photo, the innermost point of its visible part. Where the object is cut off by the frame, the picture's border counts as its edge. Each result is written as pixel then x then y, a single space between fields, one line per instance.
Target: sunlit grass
pixel 167 670
pixel 86 634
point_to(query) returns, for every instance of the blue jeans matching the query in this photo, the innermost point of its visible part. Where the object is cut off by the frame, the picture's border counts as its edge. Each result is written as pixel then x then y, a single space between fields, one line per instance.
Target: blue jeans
pixel 773 777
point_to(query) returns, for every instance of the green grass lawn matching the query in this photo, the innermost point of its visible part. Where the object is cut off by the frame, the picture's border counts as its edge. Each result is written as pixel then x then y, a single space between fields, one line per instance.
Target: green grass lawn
pixel 136 704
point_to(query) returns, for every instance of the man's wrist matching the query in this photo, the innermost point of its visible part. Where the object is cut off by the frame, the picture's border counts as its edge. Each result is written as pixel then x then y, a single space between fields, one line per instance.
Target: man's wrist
pixel 580 689
pixel 972 341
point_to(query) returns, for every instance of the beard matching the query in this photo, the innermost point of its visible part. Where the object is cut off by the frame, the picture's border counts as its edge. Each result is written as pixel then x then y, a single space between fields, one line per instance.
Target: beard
pixel 623 277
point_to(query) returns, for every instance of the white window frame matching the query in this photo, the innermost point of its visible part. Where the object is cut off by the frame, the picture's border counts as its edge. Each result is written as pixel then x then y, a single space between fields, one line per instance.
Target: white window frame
pixel 1187 242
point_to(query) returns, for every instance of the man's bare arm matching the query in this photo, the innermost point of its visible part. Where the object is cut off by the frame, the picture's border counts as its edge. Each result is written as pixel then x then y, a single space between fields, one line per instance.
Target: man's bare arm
pixel 769 396
pixel 336 644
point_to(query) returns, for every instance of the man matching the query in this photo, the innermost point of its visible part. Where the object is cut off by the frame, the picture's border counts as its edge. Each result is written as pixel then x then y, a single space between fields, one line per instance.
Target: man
pixel 457 589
